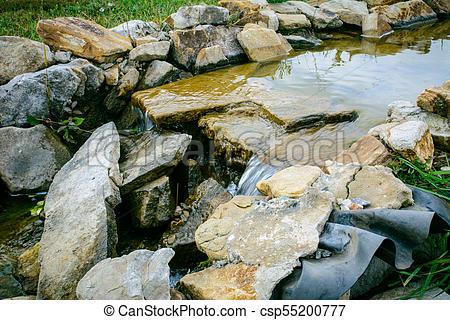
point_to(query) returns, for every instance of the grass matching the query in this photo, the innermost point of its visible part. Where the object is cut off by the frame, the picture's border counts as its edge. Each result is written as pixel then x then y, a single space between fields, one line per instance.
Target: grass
pixel 19 17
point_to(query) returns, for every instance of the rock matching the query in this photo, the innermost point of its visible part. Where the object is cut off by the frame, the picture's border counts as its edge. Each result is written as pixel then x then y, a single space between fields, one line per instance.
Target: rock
pixel 28 269
pixel 210 58
pixel 262 44
pixel 209 195
pixel 320 18
pixel 403 14
pixel 239 6
pixel 378 185
pixel 9 286
pixel 140 275
pixel 112 75
pixel 300 42
pixel 192 16
pixel 376 3
pixel 30 158
pixel 153 156
pixel 349 11
pixel 291 22
pixel 159 73
pixel 144 40
pixel 400 111
pixel 232 282
pixel 211 236
pixel 290 182
pixel 375 25
pixel 135 29
pixel 436 100
pixel 413 140
pixel 150 51
pixel 441 7
pixel 368 150
pixel 83 38
pixel 20 55
pixel 336 178
pixel 272 22
pixel 152 204
pixel 80 227
pixel 264 18
pixel 128 82
pixel 407 293
pixel 188 43
pixel 28 94
pixel 63 56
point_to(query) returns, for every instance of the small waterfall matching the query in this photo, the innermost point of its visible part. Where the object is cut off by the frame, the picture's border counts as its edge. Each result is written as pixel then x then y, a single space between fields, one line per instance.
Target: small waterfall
pixel 256 171
pixel 144 121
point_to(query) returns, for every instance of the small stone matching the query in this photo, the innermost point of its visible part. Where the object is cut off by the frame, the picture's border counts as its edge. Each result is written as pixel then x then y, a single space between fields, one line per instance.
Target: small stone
pixel 28 269
pixel 368 150
pixel 150 51
pixel 375 25
pixel 210 58
pixel 349 11
pixel 144 40
pixel 63 56
pixel 128 82
pixel 436 100
pixel 112 75
pixel 361 202
pixel 135 29
pixel 300 42
pixel 192 16
pixel 291 22
pixel 159 73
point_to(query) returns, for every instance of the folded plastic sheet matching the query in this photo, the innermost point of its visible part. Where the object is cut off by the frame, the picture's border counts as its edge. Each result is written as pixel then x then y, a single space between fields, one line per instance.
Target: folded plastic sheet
pixel 355 237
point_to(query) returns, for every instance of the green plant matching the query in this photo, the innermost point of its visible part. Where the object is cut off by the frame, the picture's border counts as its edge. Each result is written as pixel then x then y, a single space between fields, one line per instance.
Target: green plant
pixel 431 275
pixel 66 128
pixel 38 208
pixel 204 264
pixel 417 174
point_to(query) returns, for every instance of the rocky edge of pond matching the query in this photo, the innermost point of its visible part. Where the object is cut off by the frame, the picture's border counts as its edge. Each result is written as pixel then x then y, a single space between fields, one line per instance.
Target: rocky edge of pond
pixel 253 242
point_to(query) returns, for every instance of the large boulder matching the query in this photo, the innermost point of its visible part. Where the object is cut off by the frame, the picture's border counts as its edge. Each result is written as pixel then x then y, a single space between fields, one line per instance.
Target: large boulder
pixel 403 14
pixel 45 94
pixel 290 182
pixel 20 55
pixel 30 158
pixel 188 43
pixel 83 38
pixel 349 11
pixel 152 156
pixel 80 227
pixel 152 204
pixel 436 100
pixel 140 275
pixel 192 16
pixel 262 44
pixel 378 185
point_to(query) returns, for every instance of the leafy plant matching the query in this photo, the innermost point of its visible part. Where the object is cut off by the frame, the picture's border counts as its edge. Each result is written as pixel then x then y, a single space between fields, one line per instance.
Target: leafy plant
pixel 66 128
pixel 417 174
pixel 38 208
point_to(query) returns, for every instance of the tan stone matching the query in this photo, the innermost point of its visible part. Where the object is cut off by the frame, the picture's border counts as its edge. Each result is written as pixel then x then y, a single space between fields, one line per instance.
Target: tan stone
pixel 146 39
pixel 239 6
pixel 232 282
pixel 375 25
pixel 375 3
pixel 367 151
pixel 402 14
pixel 291 182
pixel 290 22
pixel 83 38
pixel 262 44
pixel 112 75
pixel 28 268
pixel 381 188
pixel 436 100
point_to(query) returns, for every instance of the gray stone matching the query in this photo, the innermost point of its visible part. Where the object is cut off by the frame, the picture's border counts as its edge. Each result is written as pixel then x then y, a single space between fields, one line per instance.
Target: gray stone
pixel 135 29
pixel 337 178
pixel 47 92
pixel 159 73
pixel 63 56
pixel 150 51
pixel 300 42
pixel 30 158
pixel 9 286
pixel 381 188
pixel 349 11
pixel 128 82
pixel 140 275
pixel 188 43
pixel 192 16
pixel 273 22
pixel 152 156
pixel 210 58
pixel 408 293
pixel 375 25
pixel 20 55
pixel 152 204
pixel 80 226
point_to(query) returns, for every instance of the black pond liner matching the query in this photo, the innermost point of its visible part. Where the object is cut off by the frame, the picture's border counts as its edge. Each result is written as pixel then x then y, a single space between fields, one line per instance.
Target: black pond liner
pixel 355 237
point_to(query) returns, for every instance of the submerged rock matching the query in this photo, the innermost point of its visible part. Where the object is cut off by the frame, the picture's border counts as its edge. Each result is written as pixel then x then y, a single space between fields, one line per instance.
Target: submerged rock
pixel 349 11
pixel 262 44
pixel 28 268
pixel 368 150
pixel 381 188
pixel 30 158
pixel 80 227
pixel 375 25
pixel 152 204
pixel 140 275
pixel 152 156
pixel 436 100
pixel 403 14
pixel 188 43
pixel 45 94
pixel 20 55
pixel 290 182
pixel 83 38
pixel 301 42
pixel 192 16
